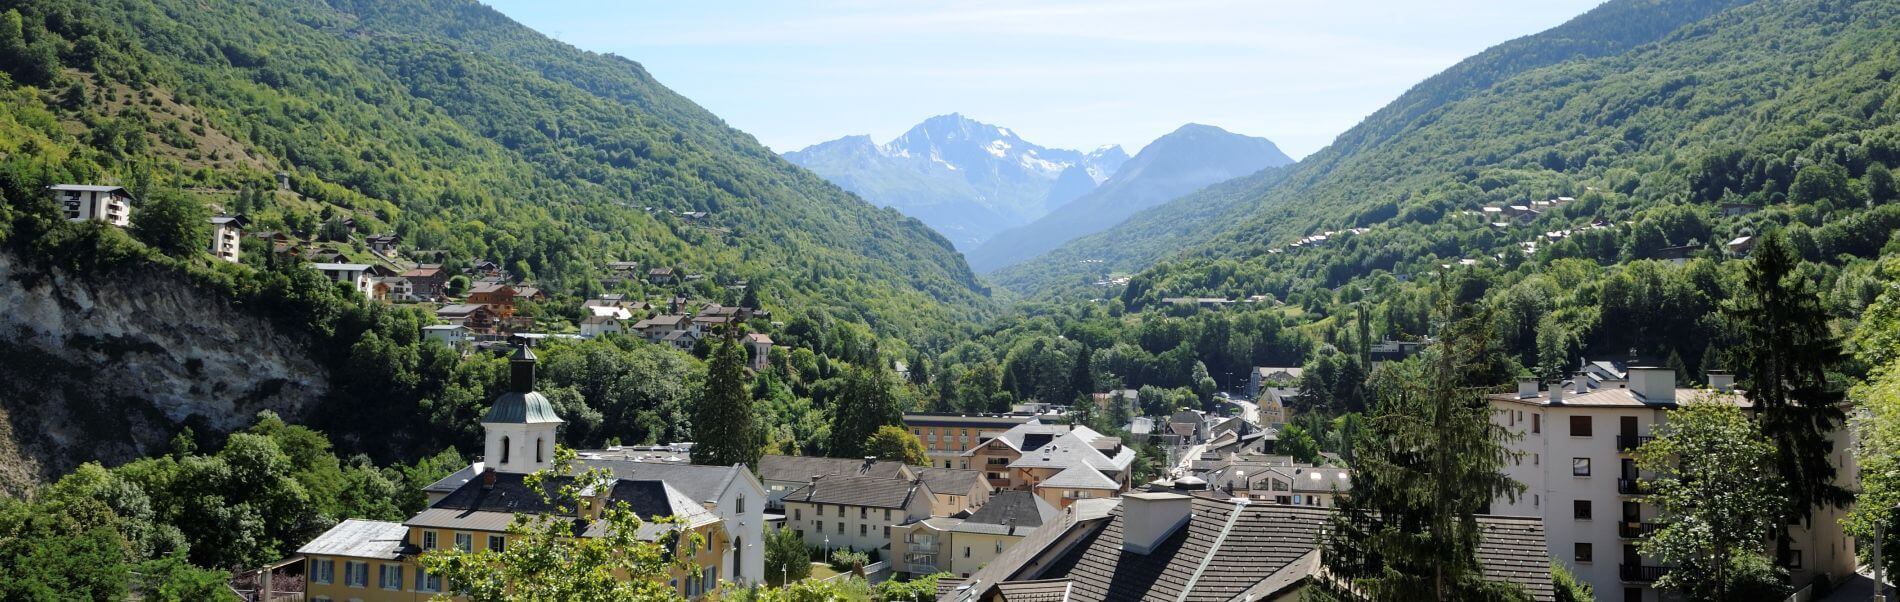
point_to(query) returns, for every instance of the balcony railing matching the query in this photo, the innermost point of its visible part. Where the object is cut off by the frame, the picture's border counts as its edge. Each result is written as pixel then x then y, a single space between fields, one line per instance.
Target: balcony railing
pixel 1629 530
pixel 1631 442
pixel 1632 487
pixel 923 548
pixel 1638 573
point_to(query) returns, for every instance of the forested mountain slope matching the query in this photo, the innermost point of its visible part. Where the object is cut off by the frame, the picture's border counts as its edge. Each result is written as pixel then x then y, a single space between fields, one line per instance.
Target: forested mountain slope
pixel 447 123
pixel 1364 166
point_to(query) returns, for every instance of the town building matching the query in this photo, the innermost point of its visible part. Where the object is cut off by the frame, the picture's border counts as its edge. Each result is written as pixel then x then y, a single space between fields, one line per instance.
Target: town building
pixel 1272 376
pixel 759 348
pixel 226 232
pixel 957 490
pixel 477 318
pixel 1060 463
pixel 499 297
pixel 857 512
pixel 376 561
pixel 357 275
pixel 947 436
pixel 383 244
pixel 783 474
pixel 960 546
pixel 453 335
pixel 427 281
pixel 661 275
pixel 81 202
pixel 1173 546
pixel 1576 442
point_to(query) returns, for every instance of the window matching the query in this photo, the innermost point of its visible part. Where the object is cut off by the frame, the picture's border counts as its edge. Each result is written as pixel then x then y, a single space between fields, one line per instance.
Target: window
pixel 465 542
pixel 1792 559
pixel 504 449
pixel 864 513
pixel 1583 552
pixel 966 551
pixel 821 526
pixel 1579 467
pixel 497 543
pixel 390 577
pixel 841 527
pixel 426 582
pixel 1537 423
pixel 887 514
pixel 323 571
pixel 428 540
pixel 840 510
pixel 739 507
pixel 356 574
pixel 798 514
pixel 1579 426
pixel 537 451
pixel 863 529
pixel 1581 509
pixel 887 531
pixel 799 532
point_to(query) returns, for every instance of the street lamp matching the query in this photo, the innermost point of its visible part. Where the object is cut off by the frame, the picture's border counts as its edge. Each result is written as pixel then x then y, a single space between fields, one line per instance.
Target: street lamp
pixel 827 548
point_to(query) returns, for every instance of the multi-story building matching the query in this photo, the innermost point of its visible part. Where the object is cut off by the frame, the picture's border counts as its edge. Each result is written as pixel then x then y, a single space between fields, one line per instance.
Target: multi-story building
pixel 857 512
pixel 962 545
pixel 785 474
pixel 956 490
pixel 357 275
pixel 226 231
pixel 947 436
pixel 1058 462
pixel 81 202
pixel 370 561
pixel 1580 477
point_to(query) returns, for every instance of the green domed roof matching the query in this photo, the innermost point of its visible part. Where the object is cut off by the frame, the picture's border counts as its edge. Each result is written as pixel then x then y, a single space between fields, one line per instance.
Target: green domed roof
pixel 521 408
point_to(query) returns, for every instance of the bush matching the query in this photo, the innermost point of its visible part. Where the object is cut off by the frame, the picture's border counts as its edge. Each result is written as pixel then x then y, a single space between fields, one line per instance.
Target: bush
pixel 848 560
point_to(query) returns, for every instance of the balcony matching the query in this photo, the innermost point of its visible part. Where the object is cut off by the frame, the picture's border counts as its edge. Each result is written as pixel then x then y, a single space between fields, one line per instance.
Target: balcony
pixel 1629 530
pixel 1637 573
pixel 1628 486
pixel 1629 443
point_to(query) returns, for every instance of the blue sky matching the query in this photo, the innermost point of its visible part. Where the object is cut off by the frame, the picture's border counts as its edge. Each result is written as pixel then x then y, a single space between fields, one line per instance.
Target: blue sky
pixel 1063 73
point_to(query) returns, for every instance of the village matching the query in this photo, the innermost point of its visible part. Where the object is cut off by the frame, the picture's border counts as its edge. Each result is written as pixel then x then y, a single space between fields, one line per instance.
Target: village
pixel 1017 505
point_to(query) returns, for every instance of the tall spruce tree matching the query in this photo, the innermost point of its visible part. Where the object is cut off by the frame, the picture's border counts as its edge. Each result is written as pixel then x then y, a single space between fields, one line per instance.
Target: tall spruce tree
pixel 723 429
pixel 1427 462
pixel 1784 353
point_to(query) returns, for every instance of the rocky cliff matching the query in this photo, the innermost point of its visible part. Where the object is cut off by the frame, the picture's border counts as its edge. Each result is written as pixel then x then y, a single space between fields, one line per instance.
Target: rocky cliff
pixel 110 366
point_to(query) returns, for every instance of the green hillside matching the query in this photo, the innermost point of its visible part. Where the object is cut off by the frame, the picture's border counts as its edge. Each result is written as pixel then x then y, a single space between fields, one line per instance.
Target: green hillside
pixel 464 132
pixel 1441 127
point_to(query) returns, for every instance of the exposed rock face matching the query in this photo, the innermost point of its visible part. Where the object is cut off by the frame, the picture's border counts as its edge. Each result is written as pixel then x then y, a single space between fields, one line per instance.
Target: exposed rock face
pixel 110 367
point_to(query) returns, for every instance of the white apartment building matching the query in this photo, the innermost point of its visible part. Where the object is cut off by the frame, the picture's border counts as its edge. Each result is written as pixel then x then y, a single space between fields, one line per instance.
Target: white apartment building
pixel 81 202
pixel 354 274
pixel 226 231
pixel 1581 479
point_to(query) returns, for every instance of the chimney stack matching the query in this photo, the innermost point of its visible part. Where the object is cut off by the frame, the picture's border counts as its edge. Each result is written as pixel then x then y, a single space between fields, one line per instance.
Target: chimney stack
pixel 1526 387
pixel 1583 383
pixel 1722 380
pixel 488 479
pixel 1557 393
pixel 1149 518
pixel 1652 384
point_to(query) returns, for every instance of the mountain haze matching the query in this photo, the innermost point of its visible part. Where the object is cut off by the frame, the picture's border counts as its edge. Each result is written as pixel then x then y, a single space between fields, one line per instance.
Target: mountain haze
pixel 965 178
pixel 1178 163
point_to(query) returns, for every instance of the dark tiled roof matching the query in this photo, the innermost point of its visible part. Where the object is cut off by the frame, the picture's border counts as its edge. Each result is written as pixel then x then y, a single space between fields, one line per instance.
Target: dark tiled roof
pixel 875 492
pixel 803 468
pixel 1266 542
pixel 1007 506
pixel 701 483
pixel 509 494
pixel 1051 590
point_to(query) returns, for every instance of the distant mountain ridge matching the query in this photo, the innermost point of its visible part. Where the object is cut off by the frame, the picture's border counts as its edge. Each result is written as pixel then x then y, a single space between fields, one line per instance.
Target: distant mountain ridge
pixel 1181 162
pixel 965 178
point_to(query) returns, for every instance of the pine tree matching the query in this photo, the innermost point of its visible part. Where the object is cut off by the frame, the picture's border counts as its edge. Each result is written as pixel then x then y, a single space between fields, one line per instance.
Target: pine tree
pixel 1082 375
pixel 1427 462
pixel 1786 349
pixel 723 429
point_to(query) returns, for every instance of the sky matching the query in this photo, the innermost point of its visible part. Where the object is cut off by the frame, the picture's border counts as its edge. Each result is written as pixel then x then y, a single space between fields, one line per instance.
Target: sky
pixel 1061 73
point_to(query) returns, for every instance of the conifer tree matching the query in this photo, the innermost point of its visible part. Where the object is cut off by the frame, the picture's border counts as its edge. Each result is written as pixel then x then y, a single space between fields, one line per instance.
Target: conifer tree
pixel 723 429
pixel 1784 353
pixel 1427 461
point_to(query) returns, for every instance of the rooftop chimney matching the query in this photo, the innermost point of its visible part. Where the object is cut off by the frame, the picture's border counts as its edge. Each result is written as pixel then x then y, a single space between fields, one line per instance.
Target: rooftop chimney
pixel 1557 392
pixel 1149 518
pixel 1722 380
pixel 1526 387
pixel 1652 384
pixel 1583 383
pixel 488 479
pixel 521 370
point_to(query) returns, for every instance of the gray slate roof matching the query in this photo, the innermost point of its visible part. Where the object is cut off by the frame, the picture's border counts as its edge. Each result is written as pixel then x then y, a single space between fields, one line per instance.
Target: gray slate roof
pixel 1080 476
pixel 355 538
pixel 1019 509
pixel 699 483
pixel 875 492
pixel 803 468
pixel 950 481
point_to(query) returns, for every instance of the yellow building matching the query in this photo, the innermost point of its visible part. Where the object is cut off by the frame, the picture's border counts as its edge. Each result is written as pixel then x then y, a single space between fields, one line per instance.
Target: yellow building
pixel 377 561
pixel 960 546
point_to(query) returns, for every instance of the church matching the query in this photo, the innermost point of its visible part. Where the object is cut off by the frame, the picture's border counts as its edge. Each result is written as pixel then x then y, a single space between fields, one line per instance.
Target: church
pixel 370 560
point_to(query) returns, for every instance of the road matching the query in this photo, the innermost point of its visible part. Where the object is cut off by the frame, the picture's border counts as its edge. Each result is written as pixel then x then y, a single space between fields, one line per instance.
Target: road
pixel 1248 410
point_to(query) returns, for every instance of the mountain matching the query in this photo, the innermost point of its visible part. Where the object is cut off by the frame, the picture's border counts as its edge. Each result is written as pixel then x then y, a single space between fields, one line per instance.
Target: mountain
pixel 965 178
pixel 1175 164
pixel 1498 112
pixel 467 133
